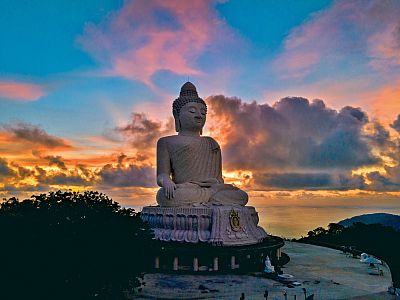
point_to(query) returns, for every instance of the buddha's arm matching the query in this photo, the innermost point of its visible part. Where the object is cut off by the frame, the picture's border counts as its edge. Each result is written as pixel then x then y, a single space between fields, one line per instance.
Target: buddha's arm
pixel 219 177
pixel 164 169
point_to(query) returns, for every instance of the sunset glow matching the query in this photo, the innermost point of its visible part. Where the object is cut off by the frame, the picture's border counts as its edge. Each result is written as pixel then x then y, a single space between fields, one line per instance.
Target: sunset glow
pixel 304 99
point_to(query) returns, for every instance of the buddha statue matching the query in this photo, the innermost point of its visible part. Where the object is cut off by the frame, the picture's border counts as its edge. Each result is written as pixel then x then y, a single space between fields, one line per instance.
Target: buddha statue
pixel 189 165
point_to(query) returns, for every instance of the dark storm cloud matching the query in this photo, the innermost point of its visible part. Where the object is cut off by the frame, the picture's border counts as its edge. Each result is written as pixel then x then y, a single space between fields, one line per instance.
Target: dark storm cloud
pixel 56 161
pixel 12 172
pixel 22 172
pixel 83 168
pixel 34 134
pixel 293 134
pixel 52 160
pixel 72 178
pixel 5 170
pixel 380 135
pixel 351 181
pixel 143 133
pixel 11 175
pixel 129 176
pixel 294 180
pixel 396 124
pixel 381 183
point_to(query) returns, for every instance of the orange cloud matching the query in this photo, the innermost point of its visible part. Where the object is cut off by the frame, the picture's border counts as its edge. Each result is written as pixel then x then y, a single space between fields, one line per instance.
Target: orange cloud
pixel 146 36
pixel 385 102
pixel 20 91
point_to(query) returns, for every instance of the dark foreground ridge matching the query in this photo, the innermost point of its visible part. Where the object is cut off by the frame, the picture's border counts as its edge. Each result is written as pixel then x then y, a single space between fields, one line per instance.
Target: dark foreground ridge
pixel 388 220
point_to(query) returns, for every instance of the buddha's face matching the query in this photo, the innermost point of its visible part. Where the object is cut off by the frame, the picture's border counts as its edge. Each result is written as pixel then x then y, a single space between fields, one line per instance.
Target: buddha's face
pixel 192 116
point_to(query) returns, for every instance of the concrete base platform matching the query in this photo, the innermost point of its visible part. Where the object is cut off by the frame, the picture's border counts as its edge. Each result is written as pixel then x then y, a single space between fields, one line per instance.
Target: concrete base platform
pixel 324 272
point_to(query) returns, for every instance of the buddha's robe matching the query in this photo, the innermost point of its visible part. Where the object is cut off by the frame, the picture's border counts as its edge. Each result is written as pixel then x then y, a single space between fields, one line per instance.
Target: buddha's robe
pixel 196 169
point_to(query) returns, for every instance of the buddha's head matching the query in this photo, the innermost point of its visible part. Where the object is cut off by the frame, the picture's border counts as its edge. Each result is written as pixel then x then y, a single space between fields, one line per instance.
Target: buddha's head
pixel 189 110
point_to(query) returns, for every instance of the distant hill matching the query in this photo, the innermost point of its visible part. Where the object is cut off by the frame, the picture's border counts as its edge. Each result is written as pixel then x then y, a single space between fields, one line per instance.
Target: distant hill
pixel 378 218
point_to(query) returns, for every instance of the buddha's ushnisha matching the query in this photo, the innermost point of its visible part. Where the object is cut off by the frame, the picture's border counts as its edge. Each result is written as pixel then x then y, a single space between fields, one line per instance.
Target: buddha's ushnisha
pixel 189 166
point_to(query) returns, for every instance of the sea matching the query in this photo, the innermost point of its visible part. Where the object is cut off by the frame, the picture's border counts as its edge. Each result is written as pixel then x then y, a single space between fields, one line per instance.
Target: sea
pixel 295 218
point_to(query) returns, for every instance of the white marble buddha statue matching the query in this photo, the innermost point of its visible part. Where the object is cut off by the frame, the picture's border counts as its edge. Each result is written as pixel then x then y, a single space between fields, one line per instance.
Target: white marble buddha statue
pixel 189 166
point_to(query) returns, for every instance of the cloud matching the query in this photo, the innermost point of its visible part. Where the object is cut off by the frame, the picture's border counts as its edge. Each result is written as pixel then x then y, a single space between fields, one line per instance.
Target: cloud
pixel 379 182
pixel 5 170
pixel 53 160
pixel 351 182
pixel 396 124
pixel 58 178
pixel 127 175
pixel 370 28
pixel 142 133
pixel 11 174
pixel 294 180
pixel 385 100
pixel 293 134
pixel 24 132
pixel 20 91
pixel 143 37
pixel 281 194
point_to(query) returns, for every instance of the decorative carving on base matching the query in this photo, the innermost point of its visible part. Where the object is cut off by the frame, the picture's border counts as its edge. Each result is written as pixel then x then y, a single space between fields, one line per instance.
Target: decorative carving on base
pixel 227 225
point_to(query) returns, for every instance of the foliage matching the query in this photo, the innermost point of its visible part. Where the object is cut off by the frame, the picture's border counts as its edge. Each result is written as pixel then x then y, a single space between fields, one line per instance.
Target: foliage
pixel 69 245
pixel 380 241
pixel 317 231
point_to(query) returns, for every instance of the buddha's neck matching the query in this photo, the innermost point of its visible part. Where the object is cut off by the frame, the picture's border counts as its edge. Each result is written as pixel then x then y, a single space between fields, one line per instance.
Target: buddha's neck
pixel 189 133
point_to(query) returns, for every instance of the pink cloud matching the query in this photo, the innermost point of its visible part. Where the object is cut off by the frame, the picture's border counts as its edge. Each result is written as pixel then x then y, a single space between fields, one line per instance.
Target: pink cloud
pixel 385 102
pixel 146 36
pixel 20 91
pixel 367 28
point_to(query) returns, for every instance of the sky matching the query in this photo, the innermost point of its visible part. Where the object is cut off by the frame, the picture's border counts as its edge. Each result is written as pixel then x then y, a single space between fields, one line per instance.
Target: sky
pixel 303 96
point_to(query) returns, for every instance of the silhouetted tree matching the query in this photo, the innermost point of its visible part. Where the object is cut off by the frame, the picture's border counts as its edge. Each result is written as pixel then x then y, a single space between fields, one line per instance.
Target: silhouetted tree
pixel 70 245
pixel 320 230
pixel 334 228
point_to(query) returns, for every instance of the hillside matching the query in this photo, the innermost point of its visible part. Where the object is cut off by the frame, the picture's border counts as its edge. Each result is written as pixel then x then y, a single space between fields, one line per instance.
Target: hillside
pixel 387 220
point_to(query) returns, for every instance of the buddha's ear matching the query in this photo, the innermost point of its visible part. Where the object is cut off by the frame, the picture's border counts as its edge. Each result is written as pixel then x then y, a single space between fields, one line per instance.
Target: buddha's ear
pixel 201 131
pixel 177 125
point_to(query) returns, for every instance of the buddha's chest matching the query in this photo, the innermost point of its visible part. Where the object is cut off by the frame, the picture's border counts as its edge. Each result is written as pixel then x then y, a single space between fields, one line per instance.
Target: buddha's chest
pixel 186 148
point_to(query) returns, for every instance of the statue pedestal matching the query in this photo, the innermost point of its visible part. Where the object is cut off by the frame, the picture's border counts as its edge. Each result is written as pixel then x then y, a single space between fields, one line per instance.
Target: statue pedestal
pixel 221 239
pixel 227 225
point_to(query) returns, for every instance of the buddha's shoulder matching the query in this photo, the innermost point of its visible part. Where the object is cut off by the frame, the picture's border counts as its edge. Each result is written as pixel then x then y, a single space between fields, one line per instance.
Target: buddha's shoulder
pixel 208 138
pixel 179 138
pixel 171 139
pixel 168 138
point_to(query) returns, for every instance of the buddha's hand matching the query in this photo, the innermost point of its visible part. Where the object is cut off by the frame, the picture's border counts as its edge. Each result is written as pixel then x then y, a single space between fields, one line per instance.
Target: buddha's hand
pixel 169 187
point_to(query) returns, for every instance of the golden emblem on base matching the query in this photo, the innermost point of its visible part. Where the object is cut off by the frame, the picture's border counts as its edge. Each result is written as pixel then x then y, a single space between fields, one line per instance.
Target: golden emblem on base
pixel 234 218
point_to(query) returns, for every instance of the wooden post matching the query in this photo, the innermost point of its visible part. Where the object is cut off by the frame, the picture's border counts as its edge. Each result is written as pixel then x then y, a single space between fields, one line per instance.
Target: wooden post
pixel 175 265
pixel 157 263
pixel 215 265
pixel 195 264
pixel 278 253
pixel 233 262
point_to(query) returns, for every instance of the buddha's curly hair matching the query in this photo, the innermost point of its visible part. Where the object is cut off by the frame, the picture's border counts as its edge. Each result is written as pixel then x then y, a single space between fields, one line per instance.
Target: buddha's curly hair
pixel 186 96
